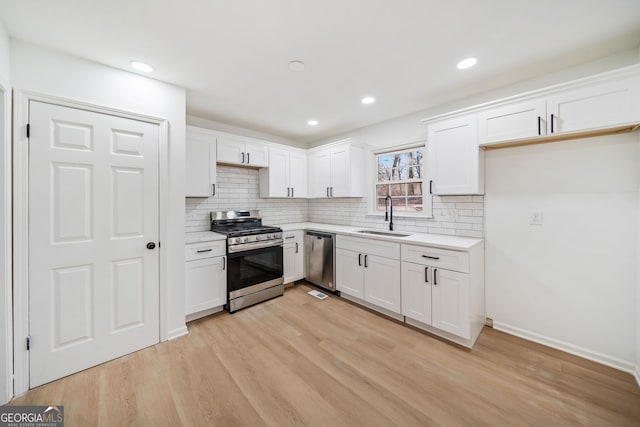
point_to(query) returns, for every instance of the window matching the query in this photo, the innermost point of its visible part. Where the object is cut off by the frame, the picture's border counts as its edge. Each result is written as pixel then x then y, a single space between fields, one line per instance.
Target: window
pixel 400 175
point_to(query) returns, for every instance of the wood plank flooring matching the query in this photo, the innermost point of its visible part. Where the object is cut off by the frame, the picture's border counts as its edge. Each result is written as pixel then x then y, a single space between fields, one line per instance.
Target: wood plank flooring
pixel 300 361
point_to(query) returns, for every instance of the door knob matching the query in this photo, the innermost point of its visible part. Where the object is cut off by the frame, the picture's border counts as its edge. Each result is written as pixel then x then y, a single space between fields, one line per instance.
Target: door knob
pixel 151 245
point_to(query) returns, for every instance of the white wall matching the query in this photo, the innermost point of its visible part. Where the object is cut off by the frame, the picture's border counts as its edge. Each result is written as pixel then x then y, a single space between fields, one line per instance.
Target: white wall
pixel 6 338
pixel 44 71
pixel 638 288
pixel 571 282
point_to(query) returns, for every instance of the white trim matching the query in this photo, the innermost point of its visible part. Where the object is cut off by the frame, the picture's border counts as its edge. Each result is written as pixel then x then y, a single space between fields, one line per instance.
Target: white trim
pixel 21 210
pixel 636 374
pixel 5 262
pixel 177 333
pixel 594 356
pixel 378 310
pixel 421 143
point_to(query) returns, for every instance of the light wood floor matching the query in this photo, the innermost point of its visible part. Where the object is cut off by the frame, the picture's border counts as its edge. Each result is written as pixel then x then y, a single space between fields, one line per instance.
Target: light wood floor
pixel 299 361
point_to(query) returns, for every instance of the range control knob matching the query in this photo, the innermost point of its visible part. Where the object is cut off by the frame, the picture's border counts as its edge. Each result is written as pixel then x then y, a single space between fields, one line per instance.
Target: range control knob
pixel 258 237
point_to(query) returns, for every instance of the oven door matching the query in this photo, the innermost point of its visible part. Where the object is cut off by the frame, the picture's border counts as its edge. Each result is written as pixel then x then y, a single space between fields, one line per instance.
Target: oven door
pixel 253 267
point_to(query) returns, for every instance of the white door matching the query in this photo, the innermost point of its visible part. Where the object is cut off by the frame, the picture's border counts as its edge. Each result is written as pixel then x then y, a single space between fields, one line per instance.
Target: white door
pixel 416 292
pixel 279 173
pixel 256 155
pixel 514 121
pixel 200 153
pixel 450 302
pixel 298 174
pixel 340 172
pixel 319 174
pixel 93 207
pixel 231 152
pixel 350 273
pixel 382 282
pixel 206 281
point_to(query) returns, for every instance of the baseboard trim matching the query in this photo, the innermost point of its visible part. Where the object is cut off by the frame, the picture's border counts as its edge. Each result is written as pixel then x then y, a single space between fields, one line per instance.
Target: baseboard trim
pixel 637 374
pixel 177 333
pixel 594 356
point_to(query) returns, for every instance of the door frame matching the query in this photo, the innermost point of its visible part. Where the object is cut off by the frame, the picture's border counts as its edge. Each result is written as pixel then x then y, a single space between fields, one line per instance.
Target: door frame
pixel 22 99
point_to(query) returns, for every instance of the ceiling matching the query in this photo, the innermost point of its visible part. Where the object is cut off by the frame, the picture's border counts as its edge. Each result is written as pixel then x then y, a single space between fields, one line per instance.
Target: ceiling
pixel 232 55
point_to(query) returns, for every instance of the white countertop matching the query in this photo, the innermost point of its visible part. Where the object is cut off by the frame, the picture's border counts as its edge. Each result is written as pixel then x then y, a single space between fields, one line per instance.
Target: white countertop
pixel 203 236
pixel 426 239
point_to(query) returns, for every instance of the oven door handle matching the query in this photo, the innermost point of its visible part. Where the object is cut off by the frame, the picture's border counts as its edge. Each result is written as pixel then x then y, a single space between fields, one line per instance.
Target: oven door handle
pixel 244 247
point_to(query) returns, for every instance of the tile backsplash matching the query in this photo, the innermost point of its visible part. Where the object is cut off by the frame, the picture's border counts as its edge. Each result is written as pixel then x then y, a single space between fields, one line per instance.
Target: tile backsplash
pixel 238 188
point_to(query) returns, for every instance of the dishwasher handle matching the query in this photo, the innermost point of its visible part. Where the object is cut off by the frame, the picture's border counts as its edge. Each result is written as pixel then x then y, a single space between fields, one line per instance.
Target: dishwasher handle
pixel 319 235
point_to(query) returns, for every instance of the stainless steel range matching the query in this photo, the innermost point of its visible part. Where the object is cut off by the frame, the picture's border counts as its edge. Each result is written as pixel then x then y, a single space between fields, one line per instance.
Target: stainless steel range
pixel 254 254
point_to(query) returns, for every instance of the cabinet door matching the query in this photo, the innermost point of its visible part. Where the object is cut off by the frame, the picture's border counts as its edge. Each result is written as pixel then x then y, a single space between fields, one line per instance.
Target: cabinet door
pixel 230 151
pixel 382 282
pixel 350 273
pixel 256 155
pixel 278 173
pixel 593 107
pixel 298 174
pixel 289 261
pixel 299 255
pixel 454 156
pixel 206 284
pixel 514 121
pixel 416 291
pixel 319 176
pixel 340 172
pixel 200 162
pixel 450 302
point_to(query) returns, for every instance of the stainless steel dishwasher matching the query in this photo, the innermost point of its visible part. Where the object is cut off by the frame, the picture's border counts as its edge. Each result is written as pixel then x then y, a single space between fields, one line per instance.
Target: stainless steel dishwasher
pixel 320 259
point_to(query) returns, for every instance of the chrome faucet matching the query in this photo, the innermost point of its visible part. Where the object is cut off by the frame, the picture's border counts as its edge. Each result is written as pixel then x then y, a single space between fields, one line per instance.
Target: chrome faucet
pixel 388 208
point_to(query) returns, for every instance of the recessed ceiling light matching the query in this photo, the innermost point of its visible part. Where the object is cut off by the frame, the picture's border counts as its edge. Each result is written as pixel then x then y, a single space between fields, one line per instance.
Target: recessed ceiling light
pixel 467 63
pixel 296 66
pixel 368 100
pixel 141 66
pixel 312 122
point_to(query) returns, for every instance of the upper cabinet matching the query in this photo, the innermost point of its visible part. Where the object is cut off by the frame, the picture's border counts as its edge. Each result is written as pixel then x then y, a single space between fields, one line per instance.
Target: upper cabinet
pixel 242 151
pixel 454 161
pixel 336 171
pixel 286 175
pixel 200 159
pixel 598 105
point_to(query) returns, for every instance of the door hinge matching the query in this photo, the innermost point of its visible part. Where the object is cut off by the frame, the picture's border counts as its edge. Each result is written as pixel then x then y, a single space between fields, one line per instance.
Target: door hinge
pixel 28 130
pixel 28 343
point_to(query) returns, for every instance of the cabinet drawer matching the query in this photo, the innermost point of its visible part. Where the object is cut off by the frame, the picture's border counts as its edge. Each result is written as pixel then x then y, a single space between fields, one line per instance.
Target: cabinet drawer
pixel 369 246
pixel 439 258
pixel 205 250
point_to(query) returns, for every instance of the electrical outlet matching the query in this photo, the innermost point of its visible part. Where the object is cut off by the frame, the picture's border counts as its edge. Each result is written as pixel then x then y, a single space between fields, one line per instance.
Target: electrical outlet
pixel 536 218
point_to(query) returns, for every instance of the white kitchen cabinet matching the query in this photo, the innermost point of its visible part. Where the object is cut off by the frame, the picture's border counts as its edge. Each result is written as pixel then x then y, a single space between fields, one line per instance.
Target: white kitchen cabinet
pixel 236 150
pixel 455 162
pixel 200 162
pixel 587 106
pixel 293 256
pixel 336 171
pixel 286 175
pixel 448 302
pixel 369 270
pixel 205 278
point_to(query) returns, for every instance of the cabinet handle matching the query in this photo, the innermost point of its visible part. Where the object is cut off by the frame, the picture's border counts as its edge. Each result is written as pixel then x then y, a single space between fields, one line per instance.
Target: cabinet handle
pixel 435 278
pixel 539 125
pixel 291 191
pixel 430 257
pixel 289 237
pixel 204 250
pixel 242 157
pixel 426 274
pixel 331 191
pixel 366 261
pixel 431 187
pixel 296 247
pixel 224 262
pixel 214 189
pixel 288 192
pixel 327 191
pixel 248 158
pixel 360 260
pixel 551 122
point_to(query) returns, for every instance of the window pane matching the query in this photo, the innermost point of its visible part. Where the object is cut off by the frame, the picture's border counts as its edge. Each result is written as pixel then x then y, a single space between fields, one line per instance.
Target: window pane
pixel 414 189
pixel 414 204
pixel 382 190
pixel 380 206
pixel 400 204
pixel 398 189
pixel 384 174
pixel 385 161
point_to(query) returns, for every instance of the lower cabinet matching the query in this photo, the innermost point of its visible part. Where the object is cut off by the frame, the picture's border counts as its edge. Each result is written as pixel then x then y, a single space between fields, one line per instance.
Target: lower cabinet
pixel 293 256
pixel 364 274
pixel 205 278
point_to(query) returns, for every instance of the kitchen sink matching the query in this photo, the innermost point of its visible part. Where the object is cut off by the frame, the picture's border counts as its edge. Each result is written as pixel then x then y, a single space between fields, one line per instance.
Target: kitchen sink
pixel 383 233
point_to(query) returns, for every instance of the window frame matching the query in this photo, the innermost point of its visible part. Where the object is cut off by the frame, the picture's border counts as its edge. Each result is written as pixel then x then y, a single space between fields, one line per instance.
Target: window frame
pixel 427 198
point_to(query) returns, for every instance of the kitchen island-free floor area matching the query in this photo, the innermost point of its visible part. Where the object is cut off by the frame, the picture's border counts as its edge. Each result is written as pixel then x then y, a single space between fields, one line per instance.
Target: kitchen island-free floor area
pixel 297 360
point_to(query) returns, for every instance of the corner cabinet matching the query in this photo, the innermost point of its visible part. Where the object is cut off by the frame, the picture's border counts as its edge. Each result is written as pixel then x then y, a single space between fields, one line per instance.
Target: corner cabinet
pixel 205 278
pixel 337 171
pixel 200 162
pixel 455 162
pixel 241 151
pixel 443 291
pixel 286 175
